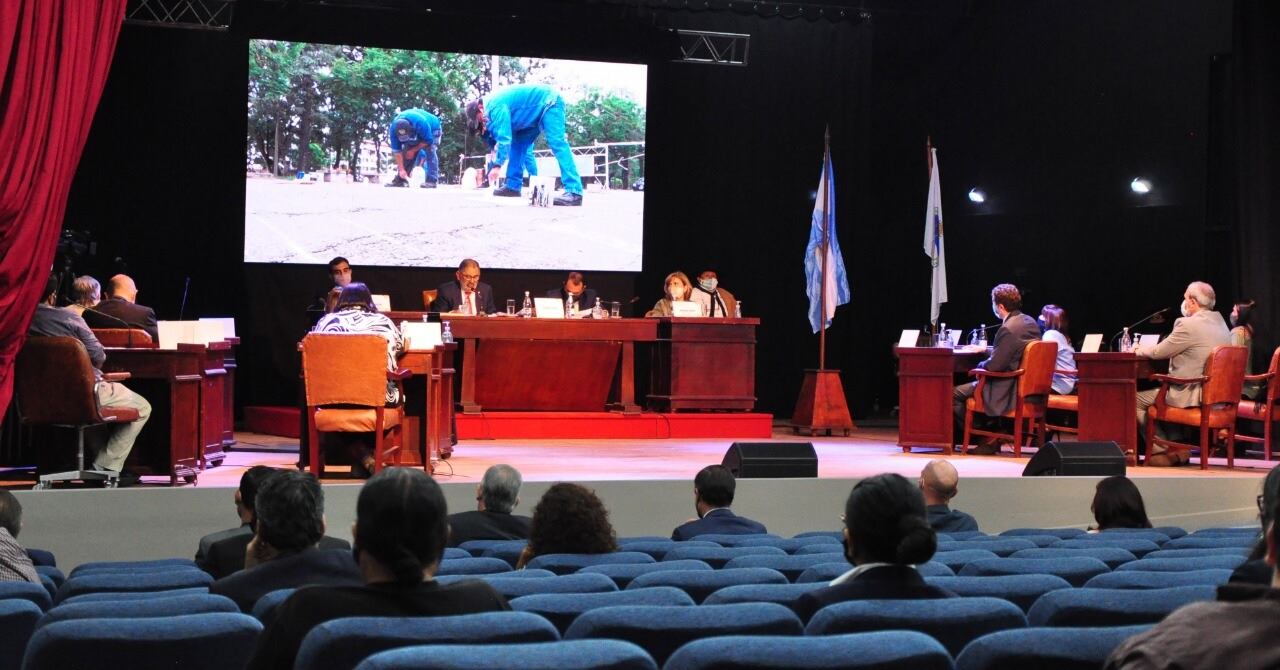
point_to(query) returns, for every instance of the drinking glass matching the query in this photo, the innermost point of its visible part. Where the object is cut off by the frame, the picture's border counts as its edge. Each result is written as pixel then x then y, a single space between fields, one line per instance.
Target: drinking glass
pixel 615 309
pixel 511 306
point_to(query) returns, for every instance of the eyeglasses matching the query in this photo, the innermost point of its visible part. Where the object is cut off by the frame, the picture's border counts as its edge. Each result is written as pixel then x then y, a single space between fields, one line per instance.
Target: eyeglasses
pixel 1260 509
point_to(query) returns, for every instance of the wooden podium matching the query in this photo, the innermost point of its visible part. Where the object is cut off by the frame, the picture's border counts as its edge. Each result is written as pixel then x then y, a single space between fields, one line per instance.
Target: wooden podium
pixel 821 406
pixel 1108 390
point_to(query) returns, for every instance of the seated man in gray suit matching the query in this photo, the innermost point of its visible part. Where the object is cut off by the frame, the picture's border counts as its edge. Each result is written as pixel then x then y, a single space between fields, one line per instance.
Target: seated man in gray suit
pixel 1188 347
pixel 1016 331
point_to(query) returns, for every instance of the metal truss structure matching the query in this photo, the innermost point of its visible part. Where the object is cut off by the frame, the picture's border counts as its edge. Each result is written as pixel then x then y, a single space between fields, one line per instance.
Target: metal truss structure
pixel 190 14
pixel 699 46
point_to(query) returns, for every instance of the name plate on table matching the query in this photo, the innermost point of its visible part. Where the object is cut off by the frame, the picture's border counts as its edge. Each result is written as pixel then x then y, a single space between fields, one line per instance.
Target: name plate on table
pixel 685 308
pixel 228 324
pixel 1092 343
pixel 382 301
pixel 908 338
pixel 1149 341
pixel 419 336
pixel 173 333
pixel 548 308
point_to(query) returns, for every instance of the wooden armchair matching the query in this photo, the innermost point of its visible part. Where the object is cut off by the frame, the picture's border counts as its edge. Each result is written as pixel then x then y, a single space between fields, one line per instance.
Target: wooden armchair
pixel 1220 388
pixel 1264 408
pixel 428 297
pixel 1033 384
pixel 345 379
pixel 56 386
pixel 129 338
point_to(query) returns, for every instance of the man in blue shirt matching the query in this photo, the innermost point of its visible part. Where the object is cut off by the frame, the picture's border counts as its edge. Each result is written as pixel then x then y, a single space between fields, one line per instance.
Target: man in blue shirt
pixel 939 482
pixel 511 120
pixel 415 138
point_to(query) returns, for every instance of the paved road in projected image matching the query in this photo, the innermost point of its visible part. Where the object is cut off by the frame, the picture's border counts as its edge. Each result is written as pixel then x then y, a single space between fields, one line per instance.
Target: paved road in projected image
pixel 291 222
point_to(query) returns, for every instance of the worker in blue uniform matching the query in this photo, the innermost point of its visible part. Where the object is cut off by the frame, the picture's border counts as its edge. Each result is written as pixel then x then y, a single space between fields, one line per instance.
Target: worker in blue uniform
pixel 415 140
pixel 511 119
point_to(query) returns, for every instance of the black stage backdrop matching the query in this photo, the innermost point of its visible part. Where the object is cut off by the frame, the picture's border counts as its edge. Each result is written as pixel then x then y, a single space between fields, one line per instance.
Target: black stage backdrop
pixel 1052 108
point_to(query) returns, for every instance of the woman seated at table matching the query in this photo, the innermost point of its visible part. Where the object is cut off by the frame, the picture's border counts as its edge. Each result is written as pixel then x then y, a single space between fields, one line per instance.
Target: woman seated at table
pixel 677 287
pixel 354 312
pixel 1242 336
pixel 569 519
pixel 1055 330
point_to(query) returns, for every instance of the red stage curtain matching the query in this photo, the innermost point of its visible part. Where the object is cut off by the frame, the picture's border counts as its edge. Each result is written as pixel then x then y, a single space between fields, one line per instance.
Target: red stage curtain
pixel 54 59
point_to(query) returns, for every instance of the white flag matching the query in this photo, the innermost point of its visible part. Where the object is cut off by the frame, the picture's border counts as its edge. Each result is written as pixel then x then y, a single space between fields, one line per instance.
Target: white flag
pixel 933 242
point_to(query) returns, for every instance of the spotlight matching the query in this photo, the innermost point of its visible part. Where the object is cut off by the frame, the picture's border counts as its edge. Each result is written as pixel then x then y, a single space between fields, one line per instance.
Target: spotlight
pixel 1140 186
pixel 977 196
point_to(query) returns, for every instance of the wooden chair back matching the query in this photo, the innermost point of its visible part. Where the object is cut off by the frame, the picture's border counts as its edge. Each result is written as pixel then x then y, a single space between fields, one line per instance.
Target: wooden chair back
pixel 428 297
pixel 55 382
pixel 344 369
pixel 1272 375
pixel 1038 362
pixel 129 338
pixel 1225 370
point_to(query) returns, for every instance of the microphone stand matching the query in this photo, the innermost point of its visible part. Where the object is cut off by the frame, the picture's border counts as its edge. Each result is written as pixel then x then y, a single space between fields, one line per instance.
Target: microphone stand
pixel 1112 343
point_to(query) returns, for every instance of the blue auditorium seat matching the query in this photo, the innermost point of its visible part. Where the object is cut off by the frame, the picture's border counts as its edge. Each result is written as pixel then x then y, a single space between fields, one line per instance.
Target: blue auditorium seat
pixel 509 551
pixel 565 564
pixel 952 621
pixel 833 534
pixel 880 650
pixel 959 558
pixel 1075 569
pixel 214 641
pixel 562 608
pixel 131 582
pixel 658 548
pixel 1135 545
pixel 643 538
pixel 472 566
pixel 116 566
pixel 1038 540
pixel 1113 607
pixel 716 557
pixel 1144 533
pixel 47 582
pixel 343 643
pixel 1241 540
pixel 1057 648
pixel 1228 530
pixel 42 557
pixel 964 535
pixel 18 617
pixel 1021 590
pixel 1061 533
pixel 824 548
pixel 791 566
pixel 578 583
pixel 1192 553
pixel 623 573
pixel 265 609
pixel 661 630
pixel 134 595
pixel 52 573
pixel 934 569
pixel 1112 556
pixel 1002 546
pixel 149 608
pixel 701 583
pixel 454 552
pixel 1178 564
pixel 1135 579
pixel 825 572
pixel 565 655
pixel 788 544
pixel 783 594
pixel 735 540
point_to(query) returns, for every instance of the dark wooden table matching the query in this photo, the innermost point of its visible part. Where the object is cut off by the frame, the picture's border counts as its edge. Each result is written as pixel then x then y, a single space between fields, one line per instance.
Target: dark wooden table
pixel 172 381
pixel 428 429
pixel 704 364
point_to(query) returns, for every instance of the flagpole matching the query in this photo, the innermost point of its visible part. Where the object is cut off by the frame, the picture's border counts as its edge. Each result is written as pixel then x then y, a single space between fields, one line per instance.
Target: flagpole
pixel 826 231
pixel 928 167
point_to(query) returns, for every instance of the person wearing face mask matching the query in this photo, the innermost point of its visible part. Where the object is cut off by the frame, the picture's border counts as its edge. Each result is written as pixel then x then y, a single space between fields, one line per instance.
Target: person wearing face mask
pixel 716 302
pixel 1187 348
pixel 466 294
pixel 677 287
pixel 1242 336
pixel 340 273
pixel 575 288
pixel 1016 331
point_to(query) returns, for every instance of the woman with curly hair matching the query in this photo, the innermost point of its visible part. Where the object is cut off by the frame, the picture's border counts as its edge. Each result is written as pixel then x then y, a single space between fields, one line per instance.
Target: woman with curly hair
pixel 569 519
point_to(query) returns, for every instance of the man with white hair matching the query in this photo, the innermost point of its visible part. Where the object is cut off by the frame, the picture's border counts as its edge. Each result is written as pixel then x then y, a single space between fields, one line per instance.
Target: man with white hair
pixel 86 293
pixel 1188 348
pixel 497 494
pixel 939 482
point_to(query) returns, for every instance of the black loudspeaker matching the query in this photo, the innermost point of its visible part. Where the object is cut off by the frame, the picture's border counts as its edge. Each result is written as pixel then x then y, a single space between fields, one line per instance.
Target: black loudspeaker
pixel 759 460
pixel 1065 459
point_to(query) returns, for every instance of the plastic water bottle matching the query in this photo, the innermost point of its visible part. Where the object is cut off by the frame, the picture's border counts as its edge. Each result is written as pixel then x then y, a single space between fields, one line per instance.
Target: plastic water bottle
pixel 982 335
pixel 568 307
pixel 943 335
pixel 1126 341
pixel 737 310
pixel 526 310
pixel 446 335
pixel 597 312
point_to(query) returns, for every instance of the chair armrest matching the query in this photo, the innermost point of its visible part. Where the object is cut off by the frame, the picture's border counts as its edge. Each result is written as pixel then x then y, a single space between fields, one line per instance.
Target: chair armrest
pixel 1170 379
pixel 115 376
pixel 980 372
pixel 400 374
pixel 1259 378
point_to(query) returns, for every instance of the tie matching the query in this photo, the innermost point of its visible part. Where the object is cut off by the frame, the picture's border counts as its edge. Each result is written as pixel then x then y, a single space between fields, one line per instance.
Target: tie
pixel 714 300
pixel 466 302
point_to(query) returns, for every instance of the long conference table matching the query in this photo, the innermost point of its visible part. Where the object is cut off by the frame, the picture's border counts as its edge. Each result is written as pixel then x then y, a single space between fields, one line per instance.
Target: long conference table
pixel 1106 386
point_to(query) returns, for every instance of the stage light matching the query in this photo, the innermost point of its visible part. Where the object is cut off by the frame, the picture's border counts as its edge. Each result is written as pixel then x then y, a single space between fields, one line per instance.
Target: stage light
pixel 1140 186
pixel 977 196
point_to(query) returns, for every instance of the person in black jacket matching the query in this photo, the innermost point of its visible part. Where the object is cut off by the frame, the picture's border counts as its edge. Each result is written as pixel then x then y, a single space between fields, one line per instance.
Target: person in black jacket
pixel 496 495
pixel 713 490
pixel 121 309
pixel 885 536
pixel 939 482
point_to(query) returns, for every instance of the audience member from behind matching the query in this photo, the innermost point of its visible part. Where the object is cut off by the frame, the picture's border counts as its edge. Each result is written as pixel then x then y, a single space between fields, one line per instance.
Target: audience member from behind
pixel 283 552
pixel 244 498
pixel 939 483
pixel 86 293
pixel 1117 503
pixel 886 535
pixel 569 519
pixel 1242 626
pixel 713 490
pixel 496 495
pixel 15 563
pixel 1242 336
pixel 122 305
pixel 1054 319
pixel 1255 570
pixel 400 532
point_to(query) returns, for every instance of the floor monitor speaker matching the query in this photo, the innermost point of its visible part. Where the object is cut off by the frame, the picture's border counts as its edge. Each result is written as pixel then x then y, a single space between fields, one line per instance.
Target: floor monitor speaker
pixel 1065 459
pixel 758 460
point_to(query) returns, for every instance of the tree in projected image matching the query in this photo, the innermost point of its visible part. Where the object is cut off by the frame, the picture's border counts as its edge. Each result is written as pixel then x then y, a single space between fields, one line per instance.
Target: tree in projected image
pixel 609 116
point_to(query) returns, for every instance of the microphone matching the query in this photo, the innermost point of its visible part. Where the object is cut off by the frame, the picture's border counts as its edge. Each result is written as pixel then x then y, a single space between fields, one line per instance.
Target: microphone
pixel 983 329
pixel 183 307
pixel 1139 322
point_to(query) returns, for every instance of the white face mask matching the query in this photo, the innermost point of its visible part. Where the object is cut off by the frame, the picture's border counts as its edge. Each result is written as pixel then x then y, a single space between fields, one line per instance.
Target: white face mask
pixel 1234 321
pixel 995 309
pixel 1185 311
pixel 676 291
pixel 708 284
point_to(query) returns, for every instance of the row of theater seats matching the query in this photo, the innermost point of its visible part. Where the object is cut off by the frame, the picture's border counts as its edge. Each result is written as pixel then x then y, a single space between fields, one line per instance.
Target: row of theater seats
pixel 1027 593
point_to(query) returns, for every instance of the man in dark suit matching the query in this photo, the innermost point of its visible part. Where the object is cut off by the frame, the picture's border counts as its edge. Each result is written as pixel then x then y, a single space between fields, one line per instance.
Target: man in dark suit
pixel 120 309
pixel 713 490
pixel 283 551
pixel 939 482
pixel 245 498
pixel 575 288
pixel 497 494
pixel 1016 331
pixel 466 293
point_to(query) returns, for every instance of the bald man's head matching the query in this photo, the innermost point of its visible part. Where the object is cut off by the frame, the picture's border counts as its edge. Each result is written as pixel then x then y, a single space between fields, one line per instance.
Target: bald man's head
pixel 122 286
pixel 939 482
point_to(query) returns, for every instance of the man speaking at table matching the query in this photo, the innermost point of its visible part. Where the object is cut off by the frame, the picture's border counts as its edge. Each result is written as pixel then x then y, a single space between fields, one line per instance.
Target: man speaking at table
pixel 1016 331
pixel 466 294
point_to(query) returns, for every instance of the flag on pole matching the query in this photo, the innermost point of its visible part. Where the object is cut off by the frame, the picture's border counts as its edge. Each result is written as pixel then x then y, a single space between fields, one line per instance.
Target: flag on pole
pixel 821 231
pixel 933 242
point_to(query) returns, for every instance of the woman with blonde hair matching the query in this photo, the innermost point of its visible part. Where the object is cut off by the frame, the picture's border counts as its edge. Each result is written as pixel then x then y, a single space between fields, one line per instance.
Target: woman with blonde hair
pixel 676 287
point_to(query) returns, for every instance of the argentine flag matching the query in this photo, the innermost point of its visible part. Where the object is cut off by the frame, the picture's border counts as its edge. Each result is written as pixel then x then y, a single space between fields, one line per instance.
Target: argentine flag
pixel 823 228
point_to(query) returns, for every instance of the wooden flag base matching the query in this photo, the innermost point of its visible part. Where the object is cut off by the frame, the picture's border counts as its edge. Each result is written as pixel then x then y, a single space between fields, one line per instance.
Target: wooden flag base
pixel 821 406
